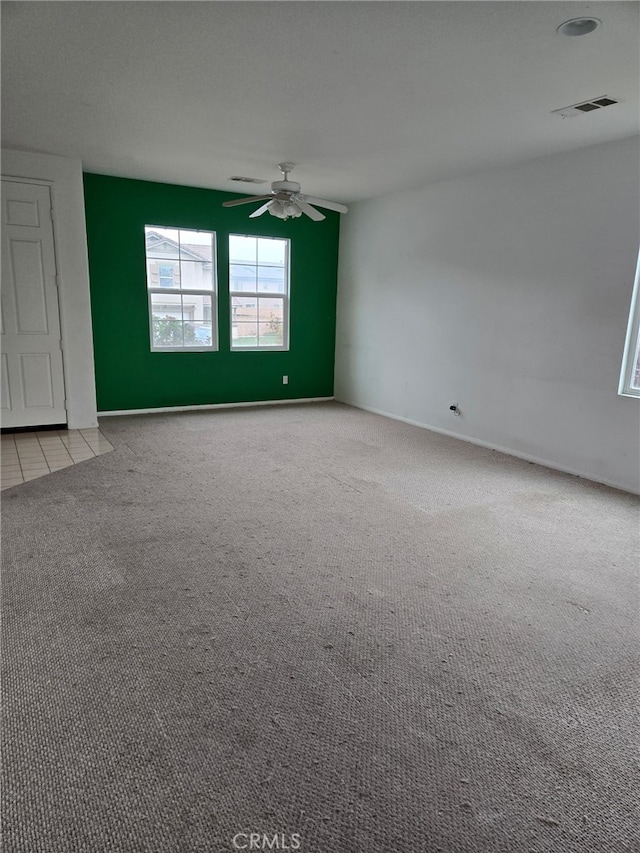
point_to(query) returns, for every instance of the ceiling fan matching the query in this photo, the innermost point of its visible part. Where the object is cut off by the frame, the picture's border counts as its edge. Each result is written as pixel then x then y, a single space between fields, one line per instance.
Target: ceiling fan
pixel 285 200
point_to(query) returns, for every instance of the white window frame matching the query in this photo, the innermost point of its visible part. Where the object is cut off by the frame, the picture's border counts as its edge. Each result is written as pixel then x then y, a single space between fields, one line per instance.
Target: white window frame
pixel 265 295
pixel 213 293
pixel 632 341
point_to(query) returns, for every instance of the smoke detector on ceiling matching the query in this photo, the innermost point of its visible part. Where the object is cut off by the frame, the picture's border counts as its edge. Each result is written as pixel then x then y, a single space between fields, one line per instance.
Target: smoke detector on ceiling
pixel 585 107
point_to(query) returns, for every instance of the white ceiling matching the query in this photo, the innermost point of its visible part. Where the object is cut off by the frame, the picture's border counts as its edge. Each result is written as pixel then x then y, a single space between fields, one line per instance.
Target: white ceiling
pixel 365 97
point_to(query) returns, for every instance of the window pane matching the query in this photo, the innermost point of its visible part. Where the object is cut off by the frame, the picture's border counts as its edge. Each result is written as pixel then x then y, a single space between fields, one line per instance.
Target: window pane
pixel 242 277
pixel 244 325
pixel 179 321
pixel 196 308
pixel 167 303
pixel 198 334
pixel 243 248
pixel 244 335
pixel 162 242
pixel 196 275
pixel 271 279
pixel 163 273
pixel 271 322
pixel 190 337
pixel 271 251
pixel 244 309
pixel 167 321
pixel 267 308
pixel 196 245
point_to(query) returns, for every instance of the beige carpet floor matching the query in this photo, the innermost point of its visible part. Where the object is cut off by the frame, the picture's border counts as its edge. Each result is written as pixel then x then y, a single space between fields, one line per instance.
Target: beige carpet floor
pixel 323 628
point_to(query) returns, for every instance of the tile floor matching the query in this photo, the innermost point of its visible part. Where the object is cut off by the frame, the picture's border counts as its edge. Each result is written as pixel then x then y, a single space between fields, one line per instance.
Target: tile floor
pixel 27 455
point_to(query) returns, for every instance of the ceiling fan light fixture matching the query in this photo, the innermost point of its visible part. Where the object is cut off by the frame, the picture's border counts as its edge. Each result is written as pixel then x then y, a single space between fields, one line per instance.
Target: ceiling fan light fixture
pixel 579 26
pixel 275 210
pixel 284 210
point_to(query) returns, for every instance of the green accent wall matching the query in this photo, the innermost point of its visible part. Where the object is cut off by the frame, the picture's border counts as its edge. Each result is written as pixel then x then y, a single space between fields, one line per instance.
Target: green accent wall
pixel 128 374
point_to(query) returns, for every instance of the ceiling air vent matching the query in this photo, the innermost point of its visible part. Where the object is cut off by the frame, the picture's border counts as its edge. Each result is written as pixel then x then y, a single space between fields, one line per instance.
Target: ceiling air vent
pixel 242 180
pixel 585 107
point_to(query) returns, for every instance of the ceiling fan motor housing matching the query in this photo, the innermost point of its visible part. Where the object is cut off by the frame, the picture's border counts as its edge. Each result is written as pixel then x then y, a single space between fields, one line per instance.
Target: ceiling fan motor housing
pixel 286 200
pixel 285 186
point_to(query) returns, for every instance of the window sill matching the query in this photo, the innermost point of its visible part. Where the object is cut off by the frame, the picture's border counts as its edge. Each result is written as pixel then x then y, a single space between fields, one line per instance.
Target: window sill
pixel 184 349
pixel 259 349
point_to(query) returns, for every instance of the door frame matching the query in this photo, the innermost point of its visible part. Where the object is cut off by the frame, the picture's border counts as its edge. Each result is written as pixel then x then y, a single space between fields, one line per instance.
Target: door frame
pixel 64 178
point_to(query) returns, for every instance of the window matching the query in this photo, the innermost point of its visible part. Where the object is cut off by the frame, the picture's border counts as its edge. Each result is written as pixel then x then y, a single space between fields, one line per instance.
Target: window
pixel 259 292
pixel 165 275
pixel 630 374
pixel 181 288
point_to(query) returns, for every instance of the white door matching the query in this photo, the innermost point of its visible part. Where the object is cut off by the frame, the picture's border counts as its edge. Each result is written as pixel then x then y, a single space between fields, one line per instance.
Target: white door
pixel 32 371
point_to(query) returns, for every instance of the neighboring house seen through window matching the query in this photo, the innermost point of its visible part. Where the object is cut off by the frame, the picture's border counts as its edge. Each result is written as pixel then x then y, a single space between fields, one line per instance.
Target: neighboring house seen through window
pixel 181 284
pixel 259 292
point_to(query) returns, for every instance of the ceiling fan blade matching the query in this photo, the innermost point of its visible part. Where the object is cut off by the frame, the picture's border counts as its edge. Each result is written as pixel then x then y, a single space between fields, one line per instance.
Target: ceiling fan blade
pixel 311 212
pixel 238 201
pixel 261 210
pixel 330 205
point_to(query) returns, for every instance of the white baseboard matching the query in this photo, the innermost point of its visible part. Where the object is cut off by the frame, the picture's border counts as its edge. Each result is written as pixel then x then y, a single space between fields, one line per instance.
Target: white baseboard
pixel 547 463
pixel 162 409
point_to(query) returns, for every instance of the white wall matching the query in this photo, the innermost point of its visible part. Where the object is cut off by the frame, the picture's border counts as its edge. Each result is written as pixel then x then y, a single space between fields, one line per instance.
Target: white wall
pixel 64 176
pixel 508 293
